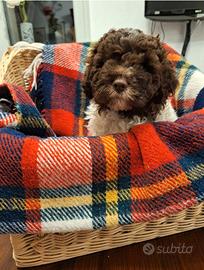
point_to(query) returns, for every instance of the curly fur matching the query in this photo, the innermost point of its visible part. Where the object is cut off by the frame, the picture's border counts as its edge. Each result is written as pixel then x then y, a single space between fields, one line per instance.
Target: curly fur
pixel 128 72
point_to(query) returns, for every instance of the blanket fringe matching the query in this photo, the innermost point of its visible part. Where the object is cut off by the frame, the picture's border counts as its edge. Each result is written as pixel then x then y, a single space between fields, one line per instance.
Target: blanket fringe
pixel 23 45
pixel 32 70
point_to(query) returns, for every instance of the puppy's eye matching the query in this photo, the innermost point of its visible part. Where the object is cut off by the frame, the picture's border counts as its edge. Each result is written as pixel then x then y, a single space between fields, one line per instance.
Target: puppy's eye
pixel 134 80
pixel 99 64
pixel 116 55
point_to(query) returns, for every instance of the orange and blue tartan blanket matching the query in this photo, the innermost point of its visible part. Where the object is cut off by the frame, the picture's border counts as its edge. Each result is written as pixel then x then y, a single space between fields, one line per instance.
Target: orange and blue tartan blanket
pixel 53 178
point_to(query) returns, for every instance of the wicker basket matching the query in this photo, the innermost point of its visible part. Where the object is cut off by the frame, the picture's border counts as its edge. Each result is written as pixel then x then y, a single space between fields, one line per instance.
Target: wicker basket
pixel 32 250
pixel 14 63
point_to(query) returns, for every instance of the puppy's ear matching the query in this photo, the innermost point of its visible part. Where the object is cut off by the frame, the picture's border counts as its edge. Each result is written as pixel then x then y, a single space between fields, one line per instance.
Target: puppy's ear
pixel 169 79
pixel 164 75
pixel 168 84
pixel 86 82
pixel 164 79
pixel 95 60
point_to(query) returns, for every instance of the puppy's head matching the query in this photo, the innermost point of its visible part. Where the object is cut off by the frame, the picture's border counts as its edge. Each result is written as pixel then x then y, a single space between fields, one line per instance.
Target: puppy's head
pixel 128 71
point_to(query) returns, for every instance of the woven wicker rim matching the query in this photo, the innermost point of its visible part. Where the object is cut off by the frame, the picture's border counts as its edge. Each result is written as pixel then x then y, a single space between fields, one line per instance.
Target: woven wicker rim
pixel 13 65
pixel 33 250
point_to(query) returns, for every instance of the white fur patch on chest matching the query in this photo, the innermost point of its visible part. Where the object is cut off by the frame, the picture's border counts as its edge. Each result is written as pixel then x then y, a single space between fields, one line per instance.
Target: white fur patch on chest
pixel 108 122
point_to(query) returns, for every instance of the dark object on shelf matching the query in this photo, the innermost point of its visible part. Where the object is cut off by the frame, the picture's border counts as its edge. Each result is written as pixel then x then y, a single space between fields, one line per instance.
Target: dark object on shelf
pixel 40 34
pixel 174 10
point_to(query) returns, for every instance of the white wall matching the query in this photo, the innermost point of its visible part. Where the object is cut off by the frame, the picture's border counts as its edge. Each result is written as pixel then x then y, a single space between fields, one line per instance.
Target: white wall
pixel 82 20
pixel 4 39
pixel 104 15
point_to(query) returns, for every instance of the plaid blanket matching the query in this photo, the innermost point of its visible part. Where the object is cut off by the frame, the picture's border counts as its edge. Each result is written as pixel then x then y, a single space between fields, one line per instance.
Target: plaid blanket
pixel 69 183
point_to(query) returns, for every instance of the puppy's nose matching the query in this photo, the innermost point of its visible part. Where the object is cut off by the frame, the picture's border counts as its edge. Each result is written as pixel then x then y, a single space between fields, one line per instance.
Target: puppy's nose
pixel 119 85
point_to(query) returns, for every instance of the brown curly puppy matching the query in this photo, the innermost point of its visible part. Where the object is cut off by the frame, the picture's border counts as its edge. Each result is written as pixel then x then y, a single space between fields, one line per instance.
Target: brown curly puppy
pixel 128 77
